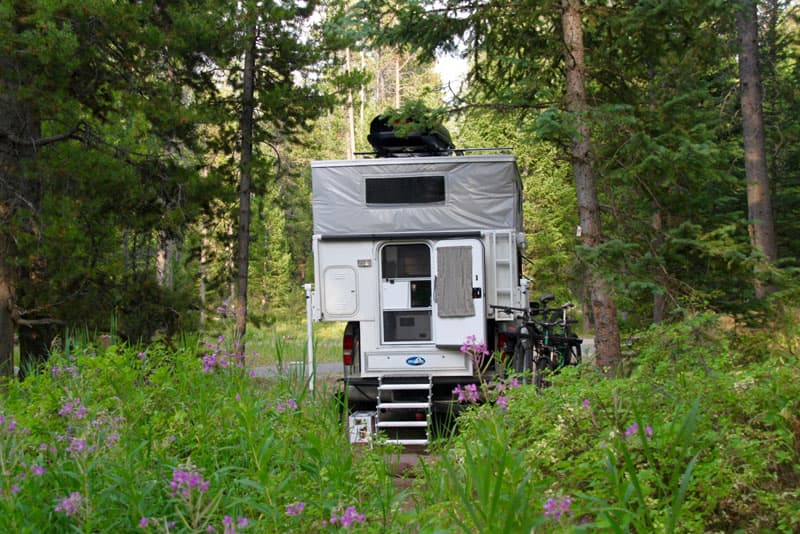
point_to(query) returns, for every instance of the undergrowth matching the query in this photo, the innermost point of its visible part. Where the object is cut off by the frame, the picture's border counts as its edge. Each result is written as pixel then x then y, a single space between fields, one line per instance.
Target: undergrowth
pixel 703 435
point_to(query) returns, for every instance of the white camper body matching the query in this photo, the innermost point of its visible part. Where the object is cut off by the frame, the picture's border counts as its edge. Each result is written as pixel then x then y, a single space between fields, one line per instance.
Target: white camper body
pixel 410 253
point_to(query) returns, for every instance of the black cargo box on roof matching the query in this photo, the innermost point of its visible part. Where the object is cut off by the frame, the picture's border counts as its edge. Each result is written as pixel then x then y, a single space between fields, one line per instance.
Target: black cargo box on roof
pixel 386 143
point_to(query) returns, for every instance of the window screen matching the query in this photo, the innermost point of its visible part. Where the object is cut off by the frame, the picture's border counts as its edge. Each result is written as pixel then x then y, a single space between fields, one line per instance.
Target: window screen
pixel 408 190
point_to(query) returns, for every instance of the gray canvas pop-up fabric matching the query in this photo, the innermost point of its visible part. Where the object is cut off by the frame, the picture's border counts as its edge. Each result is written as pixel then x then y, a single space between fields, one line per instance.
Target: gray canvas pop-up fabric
pixel 481 192
pixel 454 282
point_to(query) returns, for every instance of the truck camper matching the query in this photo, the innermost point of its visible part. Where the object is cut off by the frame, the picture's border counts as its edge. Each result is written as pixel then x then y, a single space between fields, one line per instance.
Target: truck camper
pixel 417 249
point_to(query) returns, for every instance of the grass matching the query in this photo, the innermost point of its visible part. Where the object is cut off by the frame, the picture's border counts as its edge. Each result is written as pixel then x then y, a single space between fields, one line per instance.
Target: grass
pixel 287 341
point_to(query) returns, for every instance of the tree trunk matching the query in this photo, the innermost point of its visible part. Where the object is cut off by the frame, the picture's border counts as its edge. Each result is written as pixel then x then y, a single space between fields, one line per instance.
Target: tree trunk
pixel 17 122
pixel 165 261
pixel 203 272
pixel 397 80
pixel 659 299
pixel 604 310
pixel 246 124
pixel 759 203
pixel 7 287
pixel 351 126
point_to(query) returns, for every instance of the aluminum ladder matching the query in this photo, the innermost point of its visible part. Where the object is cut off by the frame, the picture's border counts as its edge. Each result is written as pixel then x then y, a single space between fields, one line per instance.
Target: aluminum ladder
pixel 400 401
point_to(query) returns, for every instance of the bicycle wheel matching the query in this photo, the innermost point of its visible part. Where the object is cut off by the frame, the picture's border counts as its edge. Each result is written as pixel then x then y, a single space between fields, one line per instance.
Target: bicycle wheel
pixel 518 359
pixel 527 365
pixel 574 348
pixel 543 369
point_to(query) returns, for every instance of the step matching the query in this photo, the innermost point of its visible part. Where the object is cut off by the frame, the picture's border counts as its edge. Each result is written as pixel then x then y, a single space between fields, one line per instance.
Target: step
pixel 407 441
pixel 404 387
pixel 402 424
pixel 404 406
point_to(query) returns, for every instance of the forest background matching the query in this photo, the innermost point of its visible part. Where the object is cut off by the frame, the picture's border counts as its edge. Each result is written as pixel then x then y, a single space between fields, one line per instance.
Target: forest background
pixel 154 155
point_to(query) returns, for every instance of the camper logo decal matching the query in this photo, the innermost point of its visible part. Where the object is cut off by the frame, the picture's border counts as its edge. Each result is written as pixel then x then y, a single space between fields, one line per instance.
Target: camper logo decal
pixel 416 361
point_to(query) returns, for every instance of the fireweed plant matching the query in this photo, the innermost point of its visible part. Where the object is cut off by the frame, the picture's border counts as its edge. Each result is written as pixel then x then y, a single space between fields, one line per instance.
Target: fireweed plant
pixel 703 435
pixel 494 391
pixel 151 439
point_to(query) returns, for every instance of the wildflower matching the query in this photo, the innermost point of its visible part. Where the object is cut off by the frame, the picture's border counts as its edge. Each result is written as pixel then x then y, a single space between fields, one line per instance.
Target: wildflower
pixel 294 509
pixel 143 522
pixel 460 392
pixel 350 516
pixel 14 489
pixel 513 383
pixel 291 403
pixel 502 401
pixel 242 522
pixel 184 482
pixel 472 392
pixel 227 522
pixel 631 430
pixel 76 446
pixel 554 508
pixel 141 356
pixel 238 397
pixel 37 470
pixel 252 373
pixel 648 430
pixel 586 403
pixel 71 505
pixel 73 408
pixel 112 439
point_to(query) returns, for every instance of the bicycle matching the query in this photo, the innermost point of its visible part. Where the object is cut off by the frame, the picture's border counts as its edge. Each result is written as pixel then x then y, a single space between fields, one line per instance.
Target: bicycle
pixel 541 347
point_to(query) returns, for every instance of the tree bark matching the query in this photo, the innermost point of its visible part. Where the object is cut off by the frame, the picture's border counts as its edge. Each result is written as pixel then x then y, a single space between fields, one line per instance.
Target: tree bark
pixel 245 180
pixel 761 217
pixel 397 98
pixel 607 342
pixel 17 123
pixel 7 287
pixel 351 126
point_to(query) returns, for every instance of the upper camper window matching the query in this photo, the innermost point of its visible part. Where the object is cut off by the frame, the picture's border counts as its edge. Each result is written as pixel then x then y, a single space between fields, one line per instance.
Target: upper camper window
pixel 406 190
pixel 406 261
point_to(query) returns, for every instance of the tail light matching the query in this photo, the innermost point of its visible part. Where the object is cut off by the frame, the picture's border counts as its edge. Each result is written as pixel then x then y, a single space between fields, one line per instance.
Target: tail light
pixel 347 349
pixel 502 345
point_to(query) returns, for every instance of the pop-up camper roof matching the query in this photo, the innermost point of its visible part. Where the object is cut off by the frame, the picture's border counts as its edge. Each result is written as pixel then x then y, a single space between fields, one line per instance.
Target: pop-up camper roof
pixel 430 195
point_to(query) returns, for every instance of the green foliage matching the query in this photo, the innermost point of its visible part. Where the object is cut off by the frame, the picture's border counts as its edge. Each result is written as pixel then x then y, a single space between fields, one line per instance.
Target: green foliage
pixel 118 424
pixel 415 116
pixel 702 436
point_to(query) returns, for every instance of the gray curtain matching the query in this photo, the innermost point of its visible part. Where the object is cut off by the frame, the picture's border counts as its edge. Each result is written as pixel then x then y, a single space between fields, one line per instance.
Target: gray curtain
pixel 454 282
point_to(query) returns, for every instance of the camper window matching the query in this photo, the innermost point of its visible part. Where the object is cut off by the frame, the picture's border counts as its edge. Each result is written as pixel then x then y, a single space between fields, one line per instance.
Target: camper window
pixel 406 261
pixel 405 190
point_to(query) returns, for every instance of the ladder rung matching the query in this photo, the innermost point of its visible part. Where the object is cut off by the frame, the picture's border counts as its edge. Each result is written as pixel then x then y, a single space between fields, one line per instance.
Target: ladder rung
pixel 407 441
pixel 404 406
pixel 402 424
pixel 398 387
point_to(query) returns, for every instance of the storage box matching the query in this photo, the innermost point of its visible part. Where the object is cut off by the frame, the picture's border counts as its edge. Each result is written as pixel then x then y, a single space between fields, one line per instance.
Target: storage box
pixel 362 426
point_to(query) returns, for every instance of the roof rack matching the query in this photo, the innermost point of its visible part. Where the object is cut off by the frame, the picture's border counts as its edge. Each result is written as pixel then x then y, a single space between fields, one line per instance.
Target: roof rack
pixel 449 152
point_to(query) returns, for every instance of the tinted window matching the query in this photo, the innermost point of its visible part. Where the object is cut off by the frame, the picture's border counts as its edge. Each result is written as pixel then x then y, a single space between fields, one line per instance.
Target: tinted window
pixel 406 261
pixel 410 190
